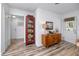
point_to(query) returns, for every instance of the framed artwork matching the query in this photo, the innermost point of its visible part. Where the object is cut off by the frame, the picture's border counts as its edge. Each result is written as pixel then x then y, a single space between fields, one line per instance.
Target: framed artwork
pixel 49 25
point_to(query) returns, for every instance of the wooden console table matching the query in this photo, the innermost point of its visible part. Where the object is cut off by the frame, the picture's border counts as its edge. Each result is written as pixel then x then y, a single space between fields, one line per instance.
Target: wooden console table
pixel 50 39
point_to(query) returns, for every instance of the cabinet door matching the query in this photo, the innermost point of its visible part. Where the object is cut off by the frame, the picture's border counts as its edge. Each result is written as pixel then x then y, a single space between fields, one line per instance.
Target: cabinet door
pixel 30 29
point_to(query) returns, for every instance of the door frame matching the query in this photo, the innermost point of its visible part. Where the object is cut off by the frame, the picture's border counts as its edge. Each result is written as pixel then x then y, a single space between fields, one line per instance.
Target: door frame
pixel 75 28
pixel 15 29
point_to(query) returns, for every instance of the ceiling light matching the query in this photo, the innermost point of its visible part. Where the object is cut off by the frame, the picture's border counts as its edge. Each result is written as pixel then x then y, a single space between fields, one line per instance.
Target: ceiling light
pixel 13 16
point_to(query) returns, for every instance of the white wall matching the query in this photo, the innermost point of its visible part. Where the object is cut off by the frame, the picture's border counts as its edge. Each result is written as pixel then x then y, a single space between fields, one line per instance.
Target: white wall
pixel 43 15
pixel 20 28
pixel 5 28
pixel 0 30
pixel 19 12
pixel 71 14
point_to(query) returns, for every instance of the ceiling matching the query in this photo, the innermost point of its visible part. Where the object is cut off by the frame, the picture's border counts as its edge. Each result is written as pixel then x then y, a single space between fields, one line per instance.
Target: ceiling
pixel 60 8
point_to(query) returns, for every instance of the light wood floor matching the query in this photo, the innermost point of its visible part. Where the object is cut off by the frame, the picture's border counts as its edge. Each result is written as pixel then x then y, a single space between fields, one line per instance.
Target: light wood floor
pixel 19 49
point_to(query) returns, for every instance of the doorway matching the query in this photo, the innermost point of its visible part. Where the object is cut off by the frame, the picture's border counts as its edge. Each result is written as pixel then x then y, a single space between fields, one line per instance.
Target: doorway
pixel 70 29
pixel 17 31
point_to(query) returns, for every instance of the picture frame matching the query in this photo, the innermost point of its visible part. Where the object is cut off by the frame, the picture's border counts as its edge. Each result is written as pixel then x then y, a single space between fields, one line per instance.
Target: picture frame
pixel 49 25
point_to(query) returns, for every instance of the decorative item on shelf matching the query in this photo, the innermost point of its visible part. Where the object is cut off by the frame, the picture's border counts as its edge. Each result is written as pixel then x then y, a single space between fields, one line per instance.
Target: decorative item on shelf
pixel 30 39
pixel 30 22
pixel 50 32
pixel 29 25
pixel 30 36
pixel 30 30
pixel 32 26
pixel 56 30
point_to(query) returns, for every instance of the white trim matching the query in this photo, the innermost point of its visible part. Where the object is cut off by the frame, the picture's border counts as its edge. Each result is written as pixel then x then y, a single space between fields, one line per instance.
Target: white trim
pixel 24 29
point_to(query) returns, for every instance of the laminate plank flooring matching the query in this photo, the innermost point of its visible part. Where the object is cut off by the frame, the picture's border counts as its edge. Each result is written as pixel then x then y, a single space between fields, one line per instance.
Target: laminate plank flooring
pixel 63 49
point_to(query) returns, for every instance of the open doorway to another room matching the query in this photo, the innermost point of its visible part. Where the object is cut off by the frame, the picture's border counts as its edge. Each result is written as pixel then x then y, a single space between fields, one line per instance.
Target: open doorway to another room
pixel 17 31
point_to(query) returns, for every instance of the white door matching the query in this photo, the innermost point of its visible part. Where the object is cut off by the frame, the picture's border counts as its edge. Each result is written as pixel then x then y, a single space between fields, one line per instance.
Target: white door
pixel 70 29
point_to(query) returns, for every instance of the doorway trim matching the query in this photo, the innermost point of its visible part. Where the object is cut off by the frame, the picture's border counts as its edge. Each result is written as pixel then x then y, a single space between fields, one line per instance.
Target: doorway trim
pixel 75 31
